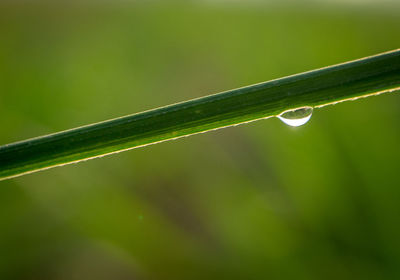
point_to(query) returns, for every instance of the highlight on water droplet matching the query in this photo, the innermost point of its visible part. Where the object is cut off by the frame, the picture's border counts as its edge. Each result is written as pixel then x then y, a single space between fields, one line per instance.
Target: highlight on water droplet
pixel 296 117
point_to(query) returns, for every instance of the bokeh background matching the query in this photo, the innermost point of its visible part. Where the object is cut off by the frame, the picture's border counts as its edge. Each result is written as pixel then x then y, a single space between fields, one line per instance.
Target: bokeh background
pixel 258 201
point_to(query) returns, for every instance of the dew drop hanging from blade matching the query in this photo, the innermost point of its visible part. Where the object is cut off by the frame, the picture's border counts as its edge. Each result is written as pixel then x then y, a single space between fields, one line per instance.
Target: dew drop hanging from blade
pixel 296 117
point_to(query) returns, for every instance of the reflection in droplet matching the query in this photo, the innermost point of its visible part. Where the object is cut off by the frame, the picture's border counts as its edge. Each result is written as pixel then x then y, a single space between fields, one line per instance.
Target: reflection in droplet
pixel 296 117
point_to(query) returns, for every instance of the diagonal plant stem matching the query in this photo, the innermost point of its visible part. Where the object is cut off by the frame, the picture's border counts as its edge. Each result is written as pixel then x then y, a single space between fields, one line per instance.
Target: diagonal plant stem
pixel 348 81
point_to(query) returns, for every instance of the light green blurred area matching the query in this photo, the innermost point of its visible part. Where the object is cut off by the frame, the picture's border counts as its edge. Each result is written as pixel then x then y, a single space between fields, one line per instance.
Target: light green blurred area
pixel 258 201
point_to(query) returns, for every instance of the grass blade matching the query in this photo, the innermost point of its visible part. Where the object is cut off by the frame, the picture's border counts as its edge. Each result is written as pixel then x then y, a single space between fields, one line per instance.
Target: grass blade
pixel 360 78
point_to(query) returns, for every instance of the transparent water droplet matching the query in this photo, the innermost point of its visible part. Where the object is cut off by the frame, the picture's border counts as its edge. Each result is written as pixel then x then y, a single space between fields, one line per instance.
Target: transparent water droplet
pixel 296 117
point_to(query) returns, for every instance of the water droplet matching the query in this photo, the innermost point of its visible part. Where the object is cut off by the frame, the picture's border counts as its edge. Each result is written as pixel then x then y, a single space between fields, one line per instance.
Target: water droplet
pixel 296 117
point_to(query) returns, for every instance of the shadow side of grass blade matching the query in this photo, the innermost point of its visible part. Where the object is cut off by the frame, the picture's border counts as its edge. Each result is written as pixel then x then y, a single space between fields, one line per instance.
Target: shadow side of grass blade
pixel 348 81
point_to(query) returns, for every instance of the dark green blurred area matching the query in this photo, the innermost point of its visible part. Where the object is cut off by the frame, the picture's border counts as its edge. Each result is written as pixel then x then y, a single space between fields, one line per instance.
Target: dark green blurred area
pixel 258 201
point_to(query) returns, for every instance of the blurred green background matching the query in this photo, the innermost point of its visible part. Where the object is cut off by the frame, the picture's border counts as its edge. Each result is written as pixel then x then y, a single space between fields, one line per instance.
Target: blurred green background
pixel 258 201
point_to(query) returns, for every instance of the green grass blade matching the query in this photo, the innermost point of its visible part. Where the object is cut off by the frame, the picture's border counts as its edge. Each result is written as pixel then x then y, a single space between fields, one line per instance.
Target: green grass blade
pixel 352 80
